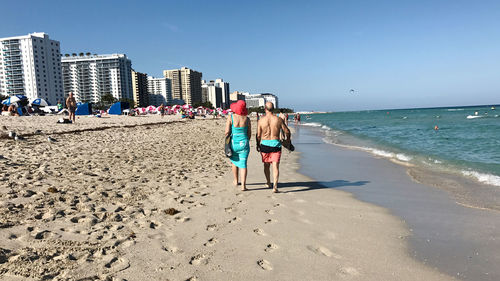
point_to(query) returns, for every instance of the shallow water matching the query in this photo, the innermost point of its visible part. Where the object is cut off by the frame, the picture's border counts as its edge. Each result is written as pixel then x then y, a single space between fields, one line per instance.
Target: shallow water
pixel 467 141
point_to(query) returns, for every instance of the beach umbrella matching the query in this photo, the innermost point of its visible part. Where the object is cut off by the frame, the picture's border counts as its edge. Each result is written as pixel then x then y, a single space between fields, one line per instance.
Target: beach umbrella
pixel 151 109
pixel 40 102
pixel 14 98
pixel 187 106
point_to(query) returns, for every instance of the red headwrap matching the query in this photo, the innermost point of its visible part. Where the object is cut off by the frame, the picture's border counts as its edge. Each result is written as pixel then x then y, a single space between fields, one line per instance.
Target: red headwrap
pixel 239 107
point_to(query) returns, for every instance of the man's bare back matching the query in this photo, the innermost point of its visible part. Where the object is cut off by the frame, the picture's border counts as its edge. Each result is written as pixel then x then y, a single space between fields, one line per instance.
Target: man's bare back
pixel 269 128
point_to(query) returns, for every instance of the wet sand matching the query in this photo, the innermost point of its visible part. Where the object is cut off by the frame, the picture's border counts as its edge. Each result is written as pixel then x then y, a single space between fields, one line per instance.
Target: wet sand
pixel 142 201
pixel 461 241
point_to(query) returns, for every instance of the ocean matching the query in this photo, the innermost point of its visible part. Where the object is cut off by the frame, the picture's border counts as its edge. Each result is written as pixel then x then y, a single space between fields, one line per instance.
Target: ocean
pixel 466 143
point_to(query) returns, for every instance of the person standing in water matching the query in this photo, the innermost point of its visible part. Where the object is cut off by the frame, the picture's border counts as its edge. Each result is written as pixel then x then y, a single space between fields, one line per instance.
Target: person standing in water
pixel 239 127
pixel 269 144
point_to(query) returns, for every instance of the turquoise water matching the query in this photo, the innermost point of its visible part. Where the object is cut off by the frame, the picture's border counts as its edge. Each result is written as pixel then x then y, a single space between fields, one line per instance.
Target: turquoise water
pixel 467 142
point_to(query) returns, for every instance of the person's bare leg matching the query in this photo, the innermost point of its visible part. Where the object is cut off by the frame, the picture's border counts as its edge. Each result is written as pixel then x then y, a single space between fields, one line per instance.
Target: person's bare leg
pixel 267 172
pixel 243 172
pixel 276 175
pixel 235 174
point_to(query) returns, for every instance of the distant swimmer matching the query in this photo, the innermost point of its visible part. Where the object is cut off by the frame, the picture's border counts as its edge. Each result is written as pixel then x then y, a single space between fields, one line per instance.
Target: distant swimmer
pixel 436 128
pixel 352 91
pixel 476 113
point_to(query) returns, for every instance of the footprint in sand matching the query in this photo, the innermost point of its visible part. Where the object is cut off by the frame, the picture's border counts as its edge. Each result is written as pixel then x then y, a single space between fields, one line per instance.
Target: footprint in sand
pixel 198 259
pixel 347 271
pixel 271 212
pixel 270 248
pixel 171 249
pixel 259 231
pixel 228 209
pixel 210 242
pixel 117 264
pixel 323 251
pixel 270 221
pixel 182 219
pixel 211 227
pixel 265 265
pixel 235 219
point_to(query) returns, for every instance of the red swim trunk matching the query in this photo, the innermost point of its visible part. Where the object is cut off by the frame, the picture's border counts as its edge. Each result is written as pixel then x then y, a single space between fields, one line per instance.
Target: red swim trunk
pixel 271 157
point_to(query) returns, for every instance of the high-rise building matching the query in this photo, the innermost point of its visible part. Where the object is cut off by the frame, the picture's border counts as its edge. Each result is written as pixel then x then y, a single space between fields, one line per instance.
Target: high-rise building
pixel 90 77
pixel 140 88
pixel 236 96
pixel 224 92
pixel 211 93
pixel 259 100
pixel 31 65
pixel 186 84
pixel 160 91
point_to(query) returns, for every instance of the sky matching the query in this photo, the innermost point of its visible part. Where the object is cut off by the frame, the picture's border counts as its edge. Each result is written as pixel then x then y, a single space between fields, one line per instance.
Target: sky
pixel 393 54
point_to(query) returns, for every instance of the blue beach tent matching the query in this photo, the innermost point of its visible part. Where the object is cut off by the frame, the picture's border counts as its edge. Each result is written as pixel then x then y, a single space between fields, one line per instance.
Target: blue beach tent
pixel 117 108
pixel 83 109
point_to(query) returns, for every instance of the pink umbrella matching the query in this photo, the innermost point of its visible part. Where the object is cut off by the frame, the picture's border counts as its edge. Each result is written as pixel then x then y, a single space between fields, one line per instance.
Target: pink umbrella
pixel 187 106
pixel 151 109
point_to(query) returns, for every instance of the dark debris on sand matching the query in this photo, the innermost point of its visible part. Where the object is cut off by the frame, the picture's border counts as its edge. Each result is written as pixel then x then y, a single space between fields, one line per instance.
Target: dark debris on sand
pixel 171 211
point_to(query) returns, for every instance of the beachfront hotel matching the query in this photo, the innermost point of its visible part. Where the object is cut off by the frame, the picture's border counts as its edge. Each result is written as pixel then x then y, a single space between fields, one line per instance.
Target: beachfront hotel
pixel 186 84
pixel 140 88
pixel 159 91
pixel 224 92
pixel 259 100
pixel 90 77
pixel 31 65
pixel 211 92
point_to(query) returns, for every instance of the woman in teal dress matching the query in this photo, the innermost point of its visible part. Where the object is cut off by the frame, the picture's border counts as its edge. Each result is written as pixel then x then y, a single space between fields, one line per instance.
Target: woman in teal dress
pixel 239 127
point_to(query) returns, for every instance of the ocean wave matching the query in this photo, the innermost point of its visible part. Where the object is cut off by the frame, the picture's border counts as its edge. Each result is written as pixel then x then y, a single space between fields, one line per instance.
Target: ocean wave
pixel 455 109
pixel 398 156
pixel 484 178
pixel 474 116
pixel 312 124
pixel 324 127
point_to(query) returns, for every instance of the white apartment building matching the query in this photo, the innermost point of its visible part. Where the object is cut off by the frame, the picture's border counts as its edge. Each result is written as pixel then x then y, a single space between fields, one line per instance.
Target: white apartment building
pixel 212 93
pixel 258 100
pixel 159 91
pixel 31 65
pixel 224 92
pixel 90 77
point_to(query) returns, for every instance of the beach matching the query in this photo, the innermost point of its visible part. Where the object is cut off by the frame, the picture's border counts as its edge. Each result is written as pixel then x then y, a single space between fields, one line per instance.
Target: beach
pixel 146 198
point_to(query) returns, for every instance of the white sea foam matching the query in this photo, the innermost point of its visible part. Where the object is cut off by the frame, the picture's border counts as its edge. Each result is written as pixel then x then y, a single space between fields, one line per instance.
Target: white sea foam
pixel 474 116
pixel 312 124
pixel 484 178
pixel 324 127
pixel 403 157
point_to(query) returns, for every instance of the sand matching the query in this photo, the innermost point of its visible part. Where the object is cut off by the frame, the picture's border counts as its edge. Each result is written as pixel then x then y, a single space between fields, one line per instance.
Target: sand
pixel 97 205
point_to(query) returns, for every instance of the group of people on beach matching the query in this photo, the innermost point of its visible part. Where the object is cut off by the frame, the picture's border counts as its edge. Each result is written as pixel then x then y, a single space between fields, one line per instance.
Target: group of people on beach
pixel 272 131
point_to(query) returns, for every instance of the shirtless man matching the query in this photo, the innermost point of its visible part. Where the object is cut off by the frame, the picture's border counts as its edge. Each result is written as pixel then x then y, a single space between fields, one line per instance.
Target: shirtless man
pixel 71 105
pixel 268 143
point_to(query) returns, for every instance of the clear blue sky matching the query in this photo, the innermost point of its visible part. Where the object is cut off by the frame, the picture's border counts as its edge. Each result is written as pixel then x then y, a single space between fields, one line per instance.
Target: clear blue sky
pixel 395 54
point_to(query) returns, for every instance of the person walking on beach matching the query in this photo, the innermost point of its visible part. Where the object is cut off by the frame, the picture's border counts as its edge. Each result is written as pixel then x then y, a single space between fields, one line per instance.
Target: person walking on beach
pixel 269 144
pixel 71 105
pixel 239 127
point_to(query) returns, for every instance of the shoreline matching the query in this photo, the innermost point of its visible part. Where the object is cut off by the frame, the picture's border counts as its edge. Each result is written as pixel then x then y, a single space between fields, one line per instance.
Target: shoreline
pixel 445 234
pixel 453 180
